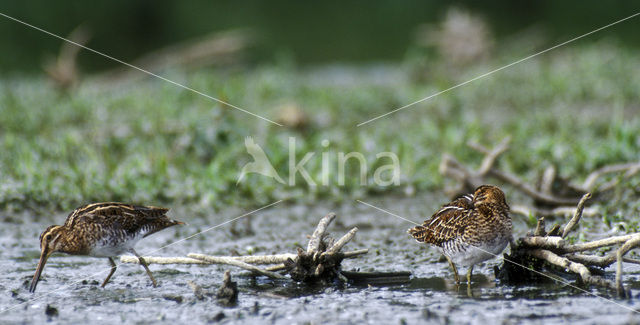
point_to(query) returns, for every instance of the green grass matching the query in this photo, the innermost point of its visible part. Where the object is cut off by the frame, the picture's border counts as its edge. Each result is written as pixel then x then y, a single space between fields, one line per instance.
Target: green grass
pixel 151 142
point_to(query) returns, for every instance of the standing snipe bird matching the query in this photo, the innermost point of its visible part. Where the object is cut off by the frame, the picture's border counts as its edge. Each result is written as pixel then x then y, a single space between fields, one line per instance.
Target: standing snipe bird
pixel 469 230
pixel 102 230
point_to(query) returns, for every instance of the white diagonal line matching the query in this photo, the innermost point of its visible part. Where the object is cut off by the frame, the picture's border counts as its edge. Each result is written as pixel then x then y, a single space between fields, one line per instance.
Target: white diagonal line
pixel 512 262
pixel 138 68
pixel 117 264
pixel 499 69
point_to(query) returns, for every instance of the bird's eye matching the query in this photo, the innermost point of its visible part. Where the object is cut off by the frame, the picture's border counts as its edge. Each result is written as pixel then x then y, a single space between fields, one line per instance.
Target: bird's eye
pixel 47 237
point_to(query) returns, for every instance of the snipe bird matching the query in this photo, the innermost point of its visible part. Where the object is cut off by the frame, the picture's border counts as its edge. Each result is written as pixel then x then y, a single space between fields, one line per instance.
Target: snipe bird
pixel 470 230
pixel 103 230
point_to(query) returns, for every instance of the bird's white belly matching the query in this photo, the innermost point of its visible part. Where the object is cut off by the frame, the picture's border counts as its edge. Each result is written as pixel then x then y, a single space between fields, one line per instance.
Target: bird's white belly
pixel 471 255
pixel 110 247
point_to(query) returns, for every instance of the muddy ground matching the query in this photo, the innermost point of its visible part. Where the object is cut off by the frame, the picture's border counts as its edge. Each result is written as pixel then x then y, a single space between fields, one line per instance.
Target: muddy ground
pixel 74 295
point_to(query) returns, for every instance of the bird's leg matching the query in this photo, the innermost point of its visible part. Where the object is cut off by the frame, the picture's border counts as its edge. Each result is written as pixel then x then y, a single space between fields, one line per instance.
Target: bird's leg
pixel 113 269
pixel 469 274
pixel 146 267
pixel 455 271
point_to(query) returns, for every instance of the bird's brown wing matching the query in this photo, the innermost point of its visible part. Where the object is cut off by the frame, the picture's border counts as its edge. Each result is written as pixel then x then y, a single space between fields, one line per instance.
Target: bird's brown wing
pixel 446 224
pixel 106 213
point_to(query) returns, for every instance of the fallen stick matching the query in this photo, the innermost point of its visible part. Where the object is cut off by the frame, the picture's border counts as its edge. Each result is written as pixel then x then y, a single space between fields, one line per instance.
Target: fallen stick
pixel 161 260
pixel 337 246
pixel 559 211
pixel 593 260
pixel 597 243
pixel 556 243
pixel 316 238
pixel 490 155
pixel 630 168
pixel 252 259
pixel 631 260
pixel 234 262
pixel 540 228
pixel 577 268
pixel 630 244
pixel 527 189
pixel 547 242
pixel 576 217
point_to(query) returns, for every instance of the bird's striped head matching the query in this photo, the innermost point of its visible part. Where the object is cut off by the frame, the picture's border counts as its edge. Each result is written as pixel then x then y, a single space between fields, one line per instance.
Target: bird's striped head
pixel 489 195
pixel 49 243
pixel 50 238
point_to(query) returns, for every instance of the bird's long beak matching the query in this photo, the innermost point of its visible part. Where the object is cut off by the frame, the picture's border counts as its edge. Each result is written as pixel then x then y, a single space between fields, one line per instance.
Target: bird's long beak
pixel 44 255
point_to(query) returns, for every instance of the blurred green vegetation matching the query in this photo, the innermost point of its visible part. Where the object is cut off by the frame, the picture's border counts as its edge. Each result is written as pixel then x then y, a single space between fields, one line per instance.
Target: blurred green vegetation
pixel 151 142
pixel 327 31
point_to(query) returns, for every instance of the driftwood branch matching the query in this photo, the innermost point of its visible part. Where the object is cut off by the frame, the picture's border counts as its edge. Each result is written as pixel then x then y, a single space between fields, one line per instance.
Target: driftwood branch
pixel 632 243
pixel 576 217
pixel 542 194
pixel 630 169
pixel 234 262
pixel 318 234
pixel 552 248
pixel 490 155
pixel 321 260
pixel 530 190
pixel 251 259
pixel 337 246
pixel 562 211
pixel 574 267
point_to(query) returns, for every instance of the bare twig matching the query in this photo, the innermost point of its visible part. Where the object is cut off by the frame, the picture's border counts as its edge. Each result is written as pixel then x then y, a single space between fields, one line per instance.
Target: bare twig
pixel 252 259
pixel 161 260
pixel 316 238
pixel 559 211
pixel 631 260
pixel 546 183
pixel 234 262
pixel 577 268
pixel 597 244
pixel 553 248
pixel 576 217
pixel 631 168
pixel 490 155
pixel 593 260
pixel 630 244
pixel 527 189
pixel 546 242
pixel 540 228
pixel 337 246
pixel 352 254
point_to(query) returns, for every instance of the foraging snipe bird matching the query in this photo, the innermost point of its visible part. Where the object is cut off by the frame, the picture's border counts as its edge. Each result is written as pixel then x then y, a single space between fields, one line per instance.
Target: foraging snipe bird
pixel 103 230
pixel 470 230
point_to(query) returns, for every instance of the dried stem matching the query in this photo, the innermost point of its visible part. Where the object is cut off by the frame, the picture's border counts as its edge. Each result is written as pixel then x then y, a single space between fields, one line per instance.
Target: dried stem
pixel 630 168
pixel 490 155
pixel 577 268
pixel 597 244
pixel 161 260
pixel 631 243
pixel 529 190
pixel 257 259
pixel 547 242
pixel 316 238
pixel 559 211
pixel 234 262
pixel 337 246
pixel 576 217
pixel 540 228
